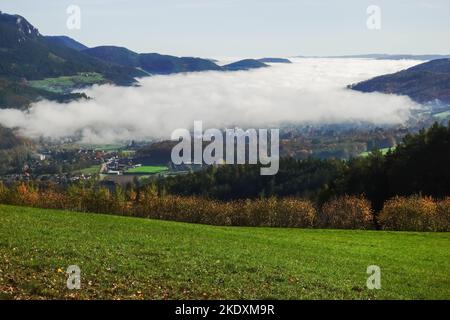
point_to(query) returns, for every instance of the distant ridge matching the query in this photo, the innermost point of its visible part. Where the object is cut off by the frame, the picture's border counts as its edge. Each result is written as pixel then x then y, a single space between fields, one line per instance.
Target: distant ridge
pixel 66 41
pixel 155 63
pixel 377 56
pixel 152 63
pixel 245 64
pixel 274 60
pixel 27 56
pixel 426 82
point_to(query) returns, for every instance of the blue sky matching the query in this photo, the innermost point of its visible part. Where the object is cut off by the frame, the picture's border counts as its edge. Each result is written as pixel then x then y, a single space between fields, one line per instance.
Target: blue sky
pixel 250 28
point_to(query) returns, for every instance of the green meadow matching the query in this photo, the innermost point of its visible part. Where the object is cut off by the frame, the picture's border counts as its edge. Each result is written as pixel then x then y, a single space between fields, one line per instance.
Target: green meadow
pixel 148 169
pixel 66 84
pixel 92 170
pixel 132 258
pixel 383 151
pixel 442 115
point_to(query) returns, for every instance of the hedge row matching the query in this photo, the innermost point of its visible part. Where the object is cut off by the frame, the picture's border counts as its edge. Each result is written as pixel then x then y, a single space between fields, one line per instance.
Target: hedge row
pixel 346 212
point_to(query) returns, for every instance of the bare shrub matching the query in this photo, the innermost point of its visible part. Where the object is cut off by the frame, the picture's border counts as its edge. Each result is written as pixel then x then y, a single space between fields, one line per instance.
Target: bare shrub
pixel 347 212
pixel 413 213
pixel 293 212
pixel 270 212
pixel 3 193
pixel 443 215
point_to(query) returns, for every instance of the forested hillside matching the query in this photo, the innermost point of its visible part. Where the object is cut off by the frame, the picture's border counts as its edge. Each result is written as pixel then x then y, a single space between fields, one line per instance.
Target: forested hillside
pixel 13 150
pixel 420 164
pixel 423 83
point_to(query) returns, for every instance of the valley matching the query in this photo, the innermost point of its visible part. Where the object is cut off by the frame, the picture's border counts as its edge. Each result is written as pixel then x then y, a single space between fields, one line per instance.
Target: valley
pixel 184 150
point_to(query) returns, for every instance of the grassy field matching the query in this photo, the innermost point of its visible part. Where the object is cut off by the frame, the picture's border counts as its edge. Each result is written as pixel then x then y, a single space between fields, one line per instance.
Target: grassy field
pixel 384 151
pixel 92 170
pixel 106 147
pixel 442 115
pixel 66 84
pixel 123 257
pixel 148 170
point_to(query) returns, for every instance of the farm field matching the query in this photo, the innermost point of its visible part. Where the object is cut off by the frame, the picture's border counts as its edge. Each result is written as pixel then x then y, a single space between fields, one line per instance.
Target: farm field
pixel 66 84
pixel 92 170
pixel 122 257
pixel 148 169
pixel 442 115
pixel 384 151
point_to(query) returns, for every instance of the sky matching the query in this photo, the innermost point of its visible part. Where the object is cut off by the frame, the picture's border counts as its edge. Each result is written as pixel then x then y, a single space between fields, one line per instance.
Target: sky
pixel 247 28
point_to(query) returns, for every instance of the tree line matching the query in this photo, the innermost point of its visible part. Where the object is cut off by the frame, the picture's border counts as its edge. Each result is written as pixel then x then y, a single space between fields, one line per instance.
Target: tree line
pixel 406 189
pixel 418 165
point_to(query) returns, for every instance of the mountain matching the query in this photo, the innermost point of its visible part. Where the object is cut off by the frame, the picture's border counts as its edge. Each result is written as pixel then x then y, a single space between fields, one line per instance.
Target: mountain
pixel 26 54
pixel 152 63
pixel 162 64
pixel 423 83
pixel 440 66
pixel 382 56
pixel 117 55
pixel 246 64
pixel 274 60
pixel 155 63
pixel 424 57
pixel 33 66
pixel 15 30
pixel 66 41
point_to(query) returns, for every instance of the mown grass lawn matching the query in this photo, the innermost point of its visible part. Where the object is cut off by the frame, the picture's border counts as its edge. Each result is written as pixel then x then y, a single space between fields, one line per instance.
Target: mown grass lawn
pixel 384 151
pixel 123 257
pixel 148 169
pixel 92 170
pixel 66 84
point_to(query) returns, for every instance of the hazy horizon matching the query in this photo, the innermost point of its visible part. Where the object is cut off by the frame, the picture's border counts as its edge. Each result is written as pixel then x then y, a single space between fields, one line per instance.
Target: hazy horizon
pixel 281 28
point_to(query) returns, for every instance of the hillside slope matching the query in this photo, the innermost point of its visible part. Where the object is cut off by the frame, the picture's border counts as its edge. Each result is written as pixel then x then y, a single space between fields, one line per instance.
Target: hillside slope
pixel 136 258
pixel 245 64
pixel 152 63
pixel 12 148
pixel 422 83
pixel 155 63
pixel 66 41
pixel 19 95
pixel 274 60
pixel 26 54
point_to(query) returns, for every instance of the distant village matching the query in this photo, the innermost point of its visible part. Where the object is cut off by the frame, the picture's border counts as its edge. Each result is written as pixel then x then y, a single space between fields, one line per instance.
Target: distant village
pixel 68 166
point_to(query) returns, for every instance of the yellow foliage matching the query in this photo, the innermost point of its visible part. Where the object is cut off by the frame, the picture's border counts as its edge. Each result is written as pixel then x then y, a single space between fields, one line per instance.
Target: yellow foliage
pixel 413 213
pixel 443 215
pixel 347 212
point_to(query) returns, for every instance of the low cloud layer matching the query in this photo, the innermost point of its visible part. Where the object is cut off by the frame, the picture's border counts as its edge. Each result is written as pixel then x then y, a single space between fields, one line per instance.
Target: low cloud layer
pixel 309 90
